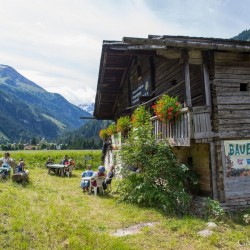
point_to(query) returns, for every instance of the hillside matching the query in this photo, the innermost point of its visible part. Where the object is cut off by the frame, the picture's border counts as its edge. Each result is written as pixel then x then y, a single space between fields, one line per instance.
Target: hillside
pixel 243 36
pixel 27 110
pixel 85 137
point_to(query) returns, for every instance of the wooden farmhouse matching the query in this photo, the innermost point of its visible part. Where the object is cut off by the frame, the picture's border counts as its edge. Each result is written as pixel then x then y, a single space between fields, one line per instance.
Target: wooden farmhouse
pixel 211 78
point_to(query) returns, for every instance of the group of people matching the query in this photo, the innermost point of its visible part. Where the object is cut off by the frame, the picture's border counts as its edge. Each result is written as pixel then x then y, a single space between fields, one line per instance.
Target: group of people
pixel 101 172
pixel 6 163
pixel 66 161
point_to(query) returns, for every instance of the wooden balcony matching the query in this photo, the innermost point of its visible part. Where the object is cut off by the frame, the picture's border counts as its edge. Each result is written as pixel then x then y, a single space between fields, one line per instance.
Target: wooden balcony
pixel 194 124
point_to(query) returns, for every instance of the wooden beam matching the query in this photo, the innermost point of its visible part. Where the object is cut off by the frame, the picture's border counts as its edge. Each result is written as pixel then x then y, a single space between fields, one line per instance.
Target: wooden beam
pixel 188 101
pixel 213 171
pixel 206 85
pixel 87 118
pixel 191 42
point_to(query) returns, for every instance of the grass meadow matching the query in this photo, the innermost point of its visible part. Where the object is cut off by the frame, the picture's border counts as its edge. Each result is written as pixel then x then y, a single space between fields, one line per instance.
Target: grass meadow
pixel 51 212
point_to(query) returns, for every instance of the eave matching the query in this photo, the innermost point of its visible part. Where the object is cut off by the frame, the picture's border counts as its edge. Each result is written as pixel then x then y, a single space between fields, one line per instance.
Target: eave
pixel 116 59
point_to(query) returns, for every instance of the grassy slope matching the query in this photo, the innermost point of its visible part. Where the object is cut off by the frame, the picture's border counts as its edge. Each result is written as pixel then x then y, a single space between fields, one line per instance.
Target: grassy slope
pixel 53 213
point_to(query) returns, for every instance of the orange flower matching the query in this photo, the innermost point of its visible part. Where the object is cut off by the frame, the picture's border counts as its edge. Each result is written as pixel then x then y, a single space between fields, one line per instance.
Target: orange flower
pixel 167 108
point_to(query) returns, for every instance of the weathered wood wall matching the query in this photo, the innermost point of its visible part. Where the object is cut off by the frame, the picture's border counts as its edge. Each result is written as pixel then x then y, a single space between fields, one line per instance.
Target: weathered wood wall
pixel 231 119
pixel 124 101
pixel 232 106
pixel 197 85
pixel 169 77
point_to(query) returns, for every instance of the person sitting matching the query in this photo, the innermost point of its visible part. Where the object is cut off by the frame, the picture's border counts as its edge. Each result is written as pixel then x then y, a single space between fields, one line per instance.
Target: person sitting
pixel 20 175
pixel 99 173
pixel 7 160
pixel 20 167
pixel 49 161
pixel 102 168
pixel 109 177
pixel 5 169
pixel 64 160
pixel 87 173
pixel 69 166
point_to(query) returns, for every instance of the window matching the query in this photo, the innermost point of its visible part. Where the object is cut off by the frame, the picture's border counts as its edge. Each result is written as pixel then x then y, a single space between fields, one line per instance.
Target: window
pixel 243 87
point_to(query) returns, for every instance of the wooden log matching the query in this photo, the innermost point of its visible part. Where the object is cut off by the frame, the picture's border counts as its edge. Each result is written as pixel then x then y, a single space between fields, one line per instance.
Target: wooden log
pixel 233 107
pixel 234 127
pixel 235 100
pixel 188 101
pixel 231 56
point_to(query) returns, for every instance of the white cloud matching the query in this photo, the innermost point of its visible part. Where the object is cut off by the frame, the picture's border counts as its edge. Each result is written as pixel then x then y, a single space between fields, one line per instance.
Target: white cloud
pixel 57 43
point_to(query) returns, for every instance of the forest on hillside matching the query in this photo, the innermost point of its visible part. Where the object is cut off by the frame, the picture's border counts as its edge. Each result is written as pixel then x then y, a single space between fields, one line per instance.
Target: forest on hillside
pixel 243 36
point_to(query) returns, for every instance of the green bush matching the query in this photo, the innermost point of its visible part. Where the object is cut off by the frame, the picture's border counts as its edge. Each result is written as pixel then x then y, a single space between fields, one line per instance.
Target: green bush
pixel 159 180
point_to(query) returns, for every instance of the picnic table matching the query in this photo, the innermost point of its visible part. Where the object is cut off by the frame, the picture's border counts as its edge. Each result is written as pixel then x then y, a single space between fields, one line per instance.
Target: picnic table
pixel 88 178
pixel 56 168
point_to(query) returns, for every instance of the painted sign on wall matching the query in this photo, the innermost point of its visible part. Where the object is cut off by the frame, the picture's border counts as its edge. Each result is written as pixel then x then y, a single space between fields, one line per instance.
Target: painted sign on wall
pixel 237 155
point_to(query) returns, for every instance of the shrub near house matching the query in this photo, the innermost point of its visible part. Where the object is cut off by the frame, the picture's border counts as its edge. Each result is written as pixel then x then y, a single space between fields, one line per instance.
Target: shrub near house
pixel 159 181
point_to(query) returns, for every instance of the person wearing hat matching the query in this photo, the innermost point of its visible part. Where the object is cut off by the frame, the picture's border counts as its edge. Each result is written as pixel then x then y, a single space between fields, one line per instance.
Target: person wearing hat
pixel 102 168
pixel 99 173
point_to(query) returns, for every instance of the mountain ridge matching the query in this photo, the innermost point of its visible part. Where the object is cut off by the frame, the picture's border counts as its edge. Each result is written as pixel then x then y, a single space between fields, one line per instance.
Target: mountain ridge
pixel 33 111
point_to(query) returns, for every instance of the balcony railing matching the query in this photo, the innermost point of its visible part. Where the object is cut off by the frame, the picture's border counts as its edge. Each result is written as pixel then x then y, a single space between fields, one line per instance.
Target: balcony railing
pixel 194 124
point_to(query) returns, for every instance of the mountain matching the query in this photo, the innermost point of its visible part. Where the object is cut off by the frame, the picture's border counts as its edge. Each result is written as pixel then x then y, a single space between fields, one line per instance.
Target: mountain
pixel 87 107
pixel 243 36
pixel 27 110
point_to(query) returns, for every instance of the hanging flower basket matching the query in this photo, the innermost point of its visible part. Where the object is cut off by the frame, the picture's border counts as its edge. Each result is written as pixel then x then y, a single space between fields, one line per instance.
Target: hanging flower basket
pixel 111 129
pixel 103 134
pixel 167 108
pixel 123 124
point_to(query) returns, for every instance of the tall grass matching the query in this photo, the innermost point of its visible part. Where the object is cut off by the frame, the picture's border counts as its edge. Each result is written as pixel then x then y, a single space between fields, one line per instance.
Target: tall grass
pixel 51 212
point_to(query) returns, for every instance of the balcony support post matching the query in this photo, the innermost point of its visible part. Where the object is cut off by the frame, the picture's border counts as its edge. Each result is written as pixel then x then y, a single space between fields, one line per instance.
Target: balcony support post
pixel 187 100
pixel 213 171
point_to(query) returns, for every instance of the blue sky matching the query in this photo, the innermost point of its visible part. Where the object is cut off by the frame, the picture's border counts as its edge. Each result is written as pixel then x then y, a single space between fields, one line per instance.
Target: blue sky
pixel 57 43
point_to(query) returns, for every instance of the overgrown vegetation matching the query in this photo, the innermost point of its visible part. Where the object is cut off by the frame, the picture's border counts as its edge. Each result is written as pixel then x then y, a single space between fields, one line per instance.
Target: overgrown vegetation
pixel 152 175
pixel 213 209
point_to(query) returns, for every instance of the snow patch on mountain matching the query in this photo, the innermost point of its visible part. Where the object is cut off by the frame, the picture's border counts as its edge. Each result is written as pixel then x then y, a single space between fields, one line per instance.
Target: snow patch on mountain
pixel 87 107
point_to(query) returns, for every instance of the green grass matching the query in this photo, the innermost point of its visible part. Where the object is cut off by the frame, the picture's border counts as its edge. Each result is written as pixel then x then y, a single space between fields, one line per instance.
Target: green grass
pixel 52 212
pixel 38 158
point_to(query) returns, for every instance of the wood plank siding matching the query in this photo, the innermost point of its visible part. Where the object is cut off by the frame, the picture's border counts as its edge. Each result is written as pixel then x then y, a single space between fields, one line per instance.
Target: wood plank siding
pixel 231 119
pixel 210 77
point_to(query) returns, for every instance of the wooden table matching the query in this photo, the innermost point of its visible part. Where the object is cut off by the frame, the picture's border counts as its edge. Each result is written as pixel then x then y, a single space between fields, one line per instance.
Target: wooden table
pixel 56 167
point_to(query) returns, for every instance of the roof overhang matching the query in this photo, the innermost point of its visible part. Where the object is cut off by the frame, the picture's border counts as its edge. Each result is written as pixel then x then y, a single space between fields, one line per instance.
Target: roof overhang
pixel 116 59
